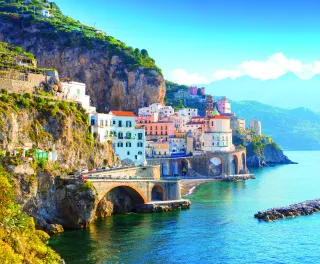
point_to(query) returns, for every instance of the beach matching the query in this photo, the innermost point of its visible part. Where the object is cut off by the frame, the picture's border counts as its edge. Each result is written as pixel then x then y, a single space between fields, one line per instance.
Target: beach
pixel 189 185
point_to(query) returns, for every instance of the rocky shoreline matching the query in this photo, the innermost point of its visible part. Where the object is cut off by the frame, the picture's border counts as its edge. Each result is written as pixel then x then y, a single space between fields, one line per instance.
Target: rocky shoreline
pixel 164 206
pixel 304 208
pixel 235 178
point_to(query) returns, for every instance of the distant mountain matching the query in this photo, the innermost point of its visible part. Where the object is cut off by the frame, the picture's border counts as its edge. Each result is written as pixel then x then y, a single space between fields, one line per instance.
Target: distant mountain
pixel 288 91
pixel 297 129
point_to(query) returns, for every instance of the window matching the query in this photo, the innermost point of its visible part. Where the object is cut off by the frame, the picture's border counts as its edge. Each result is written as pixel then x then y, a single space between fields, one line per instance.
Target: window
pixel 120 144
pixel 128 153
pixel 140 136
pixel 114 122
pixel 128 135
pixel 140 144
pixel 120 123
pixel 212 143
pixel 128 144
pixel 120 135
pixel 151 128
pixel 101 122
pixel 78 91
pixel 136 157
pixel 140 153
pixel 106 122
pixel 92 121
pixel 128 123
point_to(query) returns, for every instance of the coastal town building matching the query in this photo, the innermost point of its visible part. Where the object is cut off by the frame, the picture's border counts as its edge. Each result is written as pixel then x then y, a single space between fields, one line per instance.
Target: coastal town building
pixel 119 127
pixel 223 105
pixel 182 94
pixel 193 90
pixel 255 125
pixel 218 136
pixel 157 149
pixel 237 124
pixel 162 110
pixel 188 112
pixel 77 91
pixel 160 129
pixel 154 117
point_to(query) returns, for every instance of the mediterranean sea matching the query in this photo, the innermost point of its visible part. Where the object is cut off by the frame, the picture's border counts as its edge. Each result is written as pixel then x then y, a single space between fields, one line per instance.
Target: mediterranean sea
pixel 219 227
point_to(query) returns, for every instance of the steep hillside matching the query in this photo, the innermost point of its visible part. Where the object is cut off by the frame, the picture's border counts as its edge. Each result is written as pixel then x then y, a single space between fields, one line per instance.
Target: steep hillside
pixel 296 129
pixel 117 76
pixel 35 122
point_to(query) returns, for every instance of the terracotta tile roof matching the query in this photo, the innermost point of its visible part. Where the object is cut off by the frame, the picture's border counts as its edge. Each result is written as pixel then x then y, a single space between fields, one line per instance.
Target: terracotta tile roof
pixel 195 123
pixel 122 113
pixel 219 117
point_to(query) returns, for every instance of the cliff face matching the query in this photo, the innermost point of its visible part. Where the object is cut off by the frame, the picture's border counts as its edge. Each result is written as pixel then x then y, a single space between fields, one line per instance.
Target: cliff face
pixel 48 125
pixel 269 156
pixel 111 81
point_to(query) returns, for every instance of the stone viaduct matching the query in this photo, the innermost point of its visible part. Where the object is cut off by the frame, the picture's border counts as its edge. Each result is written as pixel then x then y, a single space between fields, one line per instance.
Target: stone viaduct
pixel 209 164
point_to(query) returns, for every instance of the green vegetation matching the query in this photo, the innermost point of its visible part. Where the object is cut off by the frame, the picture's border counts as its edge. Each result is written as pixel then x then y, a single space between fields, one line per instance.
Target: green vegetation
pixel 20 242
pixel 76 34
pixel 296 129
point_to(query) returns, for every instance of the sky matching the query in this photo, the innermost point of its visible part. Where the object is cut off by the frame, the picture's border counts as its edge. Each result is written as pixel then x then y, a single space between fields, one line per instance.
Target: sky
pixel 197 42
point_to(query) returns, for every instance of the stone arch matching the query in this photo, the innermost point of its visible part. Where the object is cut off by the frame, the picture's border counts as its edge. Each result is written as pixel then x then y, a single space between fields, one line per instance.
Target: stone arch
pixel 243 161
pixel 157 193
pixel 216 166
pixel 234 165
pixel 131 188
pixel 184 166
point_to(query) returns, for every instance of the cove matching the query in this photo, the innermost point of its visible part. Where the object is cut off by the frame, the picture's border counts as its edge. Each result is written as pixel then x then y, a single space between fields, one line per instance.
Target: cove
pixel 219 227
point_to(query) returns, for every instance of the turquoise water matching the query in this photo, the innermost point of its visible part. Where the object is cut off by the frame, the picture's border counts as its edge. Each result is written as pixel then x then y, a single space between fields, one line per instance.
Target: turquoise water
pixel 219 227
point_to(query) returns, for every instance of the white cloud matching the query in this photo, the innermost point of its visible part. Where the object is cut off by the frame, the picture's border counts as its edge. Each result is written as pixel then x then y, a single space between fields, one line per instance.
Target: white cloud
pixel 180 76
pixel 272 68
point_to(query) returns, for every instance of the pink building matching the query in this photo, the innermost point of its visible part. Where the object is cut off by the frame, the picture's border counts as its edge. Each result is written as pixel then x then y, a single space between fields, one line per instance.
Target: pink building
pixel 141 119
pixel 224 107
pixel 193 90
pixel 161 128
pixel 177 121
pixel 203 91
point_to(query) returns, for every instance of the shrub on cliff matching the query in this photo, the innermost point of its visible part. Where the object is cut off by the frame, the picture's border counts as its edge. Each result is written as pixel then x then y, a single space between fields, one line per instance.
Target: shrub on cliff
pixel 20 242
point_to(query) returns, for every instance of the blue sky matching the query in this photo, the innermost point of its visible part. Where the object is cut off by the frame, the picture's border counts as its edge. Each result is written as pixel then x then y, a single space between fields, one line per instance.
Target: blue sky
pixel 201 41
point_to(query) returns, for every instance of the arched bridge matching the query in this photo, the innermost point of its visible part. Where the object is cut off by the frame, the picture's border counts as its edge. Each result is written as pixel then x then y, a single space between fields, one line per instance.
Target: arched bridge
pixel 143 191
pixel 208 164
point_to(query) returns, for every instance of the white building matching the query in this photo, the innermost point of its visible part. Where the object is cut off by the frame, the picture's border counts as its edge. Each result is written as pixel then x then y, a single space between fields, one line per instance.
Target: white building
pixel 188 112
pixel 46 13
pixel 77 91
pixel 119 127
pixel 178 145
pixel 218 137
pixel 255 125
pixel 162 110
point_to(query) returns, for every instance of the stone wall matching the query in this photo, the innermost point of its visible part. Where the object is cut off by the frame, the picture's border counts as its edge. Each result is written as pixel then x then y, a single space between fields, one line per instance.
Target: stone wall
pixel 18 86
pixel 151 172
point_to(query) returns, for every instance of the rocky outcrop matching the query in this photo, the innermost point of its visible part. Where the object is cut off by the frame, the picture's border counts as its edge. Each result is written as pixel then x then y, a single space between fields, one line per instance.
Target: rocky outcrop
pixel 111 81
pixel 234 178
pixel 270 156
pixel 304 208
pixel 164 206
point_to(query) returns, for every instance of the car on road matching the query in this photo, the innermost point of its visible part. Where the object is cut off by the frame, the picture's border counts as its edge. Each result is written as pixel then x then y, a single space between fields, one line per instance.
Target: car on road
pixel 83 177
pixel 75 172
pixel 93 170
pixel 84 171
pixel 99 169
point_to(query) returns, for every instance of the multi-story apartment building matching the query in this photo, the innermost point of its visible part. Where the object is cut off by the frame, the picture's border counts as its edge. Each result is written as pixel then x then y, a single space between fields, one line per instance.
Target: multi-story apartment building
pixel 223 105
pixel 162 110
pixel 119 126
pixel 255 125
